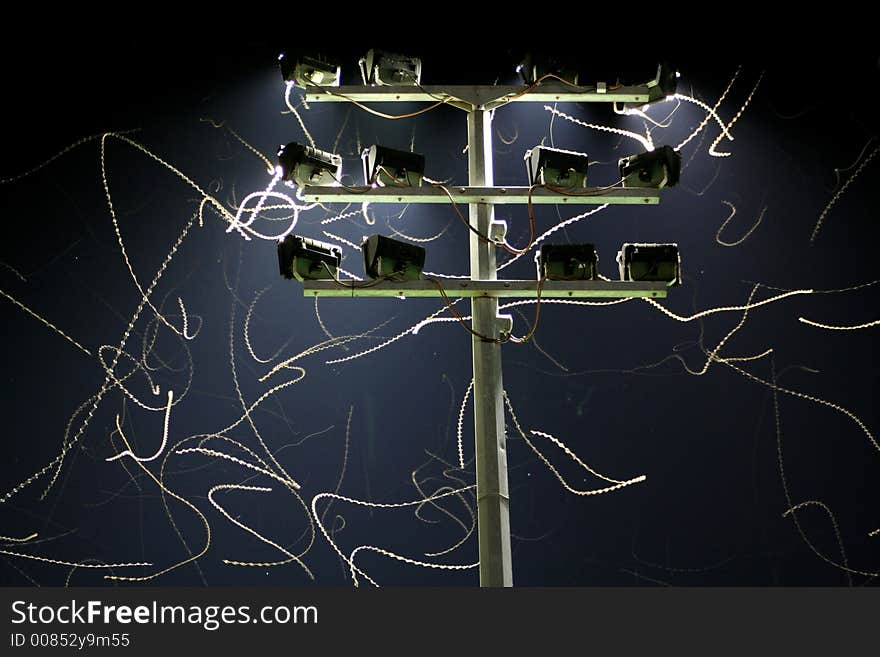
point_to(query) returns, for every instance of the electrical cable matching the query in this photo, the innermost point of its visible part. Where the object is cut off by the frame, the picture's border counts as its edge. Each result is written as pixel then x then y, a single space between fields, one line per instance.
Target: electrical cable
pixel 528 336
pixel 355 285
pixel 393 117
pixel 452 309
pixel 509 337
pixel 505 100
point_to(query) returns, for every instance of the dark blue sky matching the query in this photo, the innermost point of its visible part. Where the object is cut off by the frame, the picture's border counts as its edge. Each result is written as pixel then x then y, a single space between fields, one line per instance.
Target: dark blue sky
pixel 609 382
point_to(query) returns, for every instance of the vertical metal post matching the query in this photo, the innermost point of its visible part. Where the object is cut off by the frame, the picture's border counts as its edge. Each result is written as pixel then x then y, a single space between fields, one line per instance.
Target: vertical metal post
pixel 493 501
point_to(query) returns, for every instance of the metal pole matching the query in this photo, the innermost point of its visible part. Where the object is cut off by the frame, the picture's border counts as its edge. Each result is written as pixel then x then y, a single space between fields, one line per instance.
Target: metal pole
pixel 493 501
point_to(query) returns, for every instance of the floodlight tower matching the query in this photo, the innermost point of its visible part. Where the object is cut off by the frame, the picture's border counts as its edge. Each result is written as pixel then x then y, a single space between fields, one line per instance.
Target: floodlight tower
pixel 484 288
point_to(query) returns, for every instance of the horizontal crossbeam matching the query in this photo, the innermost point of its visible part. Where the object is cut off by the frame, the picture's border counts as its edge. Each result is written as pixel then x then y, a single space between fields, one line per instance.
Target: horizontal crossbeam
pixel 469 288
pixel 480 96
pixel 491 195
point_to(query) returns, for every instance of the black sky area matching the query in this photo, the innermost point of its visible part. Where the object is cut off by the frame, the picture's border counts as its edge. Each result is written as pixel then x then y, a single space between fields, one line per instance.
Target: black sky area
pixel 609 382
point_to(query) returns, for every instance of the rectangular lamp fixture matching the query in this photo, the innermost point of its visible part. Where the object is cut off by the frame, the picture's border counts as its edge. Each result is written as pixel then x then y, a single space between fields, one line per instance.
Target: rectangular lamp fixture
pixel 306 259
pixel 384 68
pixel 305 165
pixel 664 85
pixel 567 262
pixel 556 167
pixel 387 167
pixel 657 169
pixel 392 259
pixel 650 262
pixel 304 71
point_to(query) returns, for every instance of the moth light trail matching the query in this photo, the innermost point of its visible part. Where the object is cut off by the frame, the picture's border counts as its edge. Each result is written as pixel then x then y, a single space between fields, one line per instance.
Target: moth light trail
pixel 646 142
pixel 146 459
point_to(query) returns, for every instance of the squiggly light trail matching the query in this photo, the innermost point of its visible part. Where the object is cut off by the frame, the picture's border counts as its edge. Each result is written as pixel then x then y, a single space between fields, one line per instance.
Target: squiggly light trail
pixel 47 323
pixel 794 393
pixel 644 141
pixel 791 506
pixel 727 221
pixel 839 193
pixel 236 224
pixel 186 334
pixel 269 167
pixel 412 562
pixel 709 115
pixel 720 309
pixel 710 110
pixel 241 400
pixel 249 530
pixel 830 327
pixel 10 539
pixel 460 425
pixel 60 562
pixel 735 118
pixel 341 240
pixel 371 350
pixel 159 451
pixel 105 386
pixel 375 505
pixel 824 507
pixel 552 230
pixel 344 215
pixel 289 88
pixel 595 491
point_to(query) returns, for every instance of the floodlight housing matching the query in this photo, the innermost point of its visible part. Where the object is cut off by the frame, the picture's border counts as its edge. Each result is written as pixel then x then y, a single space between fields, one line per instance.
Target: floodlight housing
pixel 392 259
pixel 567 262
pixel 650 262
pixel 387 167
pixel 657 169
pixel 304 71
pixel 556 167
pixel 306 259
pixel 305 165
pixel 533 67
pixel 384 68
pixel 664 84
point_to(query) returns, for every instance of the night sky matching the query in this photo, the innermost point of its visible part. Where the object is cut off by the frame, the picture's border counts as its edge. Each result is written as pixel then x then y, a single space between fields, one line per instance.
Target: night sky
pixel 611 382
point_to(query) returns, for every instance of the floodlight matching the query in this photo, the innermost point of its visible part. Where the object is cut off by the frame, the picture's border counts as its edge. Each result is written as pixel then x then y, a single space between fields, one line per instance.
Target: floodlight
pixel 305 71
pixel 392 259
pixel 658 168
pixel 388 167
pixel 567 262
pixel 556 167
pixel 384 68
pixel 306 259
pixel 664 84
pixel 308 166
pixel 650 262
pixel 533 67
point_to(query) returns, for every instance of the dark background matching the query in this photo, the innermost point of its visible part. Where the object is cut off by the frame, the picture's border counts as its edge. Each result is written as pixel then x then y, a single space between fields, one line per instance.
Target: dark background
pixel 710 512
